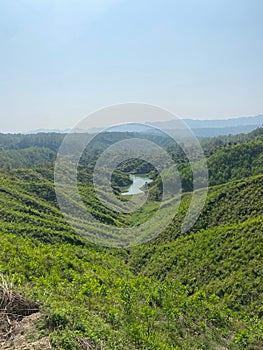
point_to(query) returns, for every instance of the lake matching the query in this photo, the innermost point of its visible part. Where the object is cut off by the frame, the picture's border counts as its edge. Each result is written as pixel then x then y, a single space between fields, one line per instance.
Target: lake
pixel 138 182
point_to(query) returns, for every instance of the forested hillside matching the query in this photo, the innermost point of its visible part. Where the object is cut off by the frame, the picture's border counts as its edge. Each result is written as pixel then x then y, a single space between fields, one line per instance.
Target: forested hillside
pixel 199 290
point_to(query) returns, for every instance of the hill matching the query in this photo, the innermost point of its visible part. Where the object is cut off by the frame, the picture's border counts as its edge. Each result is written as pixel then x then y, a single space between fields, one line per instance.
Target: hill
pixel 178 292
pixel 200 290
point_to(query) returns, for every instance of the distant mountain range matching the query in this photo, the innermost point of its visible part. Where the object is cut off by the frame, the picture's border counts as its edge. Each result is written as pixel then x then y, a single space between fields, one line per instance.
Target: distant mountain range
pixel 201 128
pixel 216 127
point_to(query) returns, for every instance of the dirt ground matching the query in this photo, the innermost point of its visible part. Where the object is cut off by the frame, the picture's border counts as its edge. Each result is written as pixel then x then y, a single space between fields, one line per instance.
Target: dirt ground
pixel 24 335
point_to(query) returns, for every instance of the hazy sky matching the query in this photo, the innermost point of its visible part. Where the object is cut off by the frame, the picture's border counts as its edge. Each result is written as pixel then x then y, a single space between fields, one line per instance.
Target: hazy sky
pixel 62 59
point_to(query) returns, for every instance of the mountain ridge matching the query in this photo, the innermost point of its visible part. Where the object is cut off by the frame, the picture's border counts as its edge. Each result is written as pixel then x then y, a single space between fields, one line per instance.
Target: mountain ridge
pixel 240 124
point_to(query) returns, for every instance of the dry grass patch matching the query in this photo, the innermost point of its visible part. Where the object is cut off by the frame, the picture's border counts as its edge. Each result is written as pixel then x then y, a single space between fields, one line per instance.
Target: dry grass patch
pixel 14 306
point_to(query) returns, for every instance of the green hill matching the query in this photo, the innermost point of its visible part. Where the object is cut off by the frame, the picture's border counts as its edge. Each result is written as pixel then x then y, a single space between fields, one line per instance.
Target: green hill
pixel 199 290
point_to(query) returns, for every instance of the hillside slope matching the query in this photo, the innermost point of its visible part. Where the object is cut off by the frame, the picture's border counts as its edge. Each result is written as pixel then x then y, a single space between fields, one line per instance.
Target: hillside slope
pixel 202 290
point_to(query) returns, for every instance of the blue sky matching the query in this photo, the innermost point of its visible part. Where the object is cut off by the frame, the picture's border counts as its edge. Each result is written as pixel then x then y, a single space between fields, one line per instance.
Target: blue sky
pixel 62 59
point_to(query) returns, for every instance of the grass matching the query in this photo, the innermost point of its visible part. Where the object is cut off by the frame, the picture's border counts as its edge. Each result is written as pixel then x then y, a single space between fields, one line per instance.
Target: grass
pixel 201 290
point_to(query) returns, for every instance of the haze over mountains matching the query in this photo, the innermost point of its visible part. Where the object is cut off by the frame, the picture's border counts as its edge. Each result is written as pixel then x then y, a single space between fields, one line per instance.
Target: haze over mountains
pixel 201 128
pixel 216 127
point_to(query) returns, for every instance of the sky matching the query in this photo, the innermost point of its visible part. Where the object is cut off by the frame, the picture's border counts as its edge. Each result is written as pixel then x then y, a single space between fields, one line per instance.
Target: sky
pixel 61 60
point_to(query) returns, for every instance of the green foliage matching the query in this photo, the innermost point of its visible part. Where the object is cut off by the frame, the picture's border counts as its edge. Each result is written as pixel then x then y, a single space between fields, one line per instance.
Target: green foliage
pixel 201 290
pixel 228 159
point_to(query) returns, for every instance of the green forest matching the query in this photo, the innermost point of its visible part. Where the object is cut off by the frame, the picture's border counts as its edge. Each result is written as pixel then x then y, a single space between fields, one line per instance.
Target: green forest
pixel 201 290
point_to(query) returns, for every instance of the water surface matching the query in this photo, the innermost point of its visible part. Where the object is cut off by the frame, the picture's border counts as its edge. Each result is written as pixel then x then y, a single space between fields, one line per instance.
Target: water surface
pixel 138 182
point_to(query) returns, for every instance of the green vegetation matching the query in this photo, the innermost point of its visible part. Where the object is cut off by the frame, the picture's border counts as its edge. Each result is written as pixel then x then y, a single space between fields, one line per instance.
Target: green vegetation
pixel 200 290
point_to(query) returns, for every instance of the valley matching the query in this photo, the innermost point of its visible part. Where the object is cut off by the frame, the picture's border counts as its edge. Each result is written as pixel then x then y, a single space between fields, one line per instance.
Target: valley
pixel 198 290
